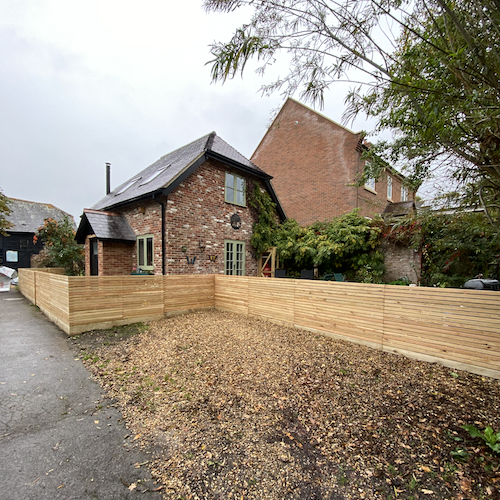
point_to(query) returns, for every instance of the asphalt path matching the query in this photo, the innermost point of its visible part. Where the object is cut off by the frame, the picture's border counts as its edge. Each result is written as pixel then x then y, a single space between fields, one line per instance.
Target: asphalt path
pixel 60 437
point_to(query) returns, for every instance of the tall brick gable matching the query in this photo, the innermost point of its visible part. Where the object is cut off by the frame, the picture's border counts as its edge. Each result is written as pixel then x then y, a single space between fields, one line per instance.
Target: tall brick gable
pixel 314 162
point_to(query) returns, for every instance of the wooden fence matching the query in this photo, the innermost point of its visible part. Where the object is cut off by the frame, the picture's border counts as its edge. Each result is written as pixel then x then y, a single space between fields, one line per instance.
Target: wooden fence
pixel 457 328
pixel 81 303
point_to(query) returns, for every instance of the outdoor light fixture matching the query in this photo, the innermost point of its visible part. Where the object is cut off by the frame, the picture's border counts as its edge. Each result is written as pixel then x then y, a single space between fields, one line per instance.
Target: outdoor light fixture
pixel 184 248
pixel 202 246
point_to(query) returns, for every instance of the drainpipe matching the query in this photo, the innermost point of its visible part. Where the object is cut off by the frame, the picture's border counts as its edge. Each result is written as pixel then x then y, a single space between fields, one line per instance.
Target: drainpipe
pixel 162 234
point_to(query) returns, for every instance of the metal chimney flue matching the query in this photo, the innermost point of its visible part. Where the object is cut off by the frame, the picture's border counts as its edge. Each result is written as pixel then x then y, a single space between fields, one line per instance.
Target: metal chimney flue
pixel 108 178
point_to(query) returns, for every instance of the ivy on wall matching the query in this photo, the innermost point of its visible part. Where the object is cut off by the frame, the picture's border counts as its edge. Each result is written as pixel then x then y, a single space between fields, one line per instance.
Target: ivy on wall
pixel 264 230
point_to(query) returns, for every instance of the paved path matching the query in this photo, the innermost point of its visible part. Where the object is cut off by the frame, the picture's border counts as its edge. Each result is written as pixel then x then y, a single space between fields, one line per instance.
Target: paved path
pixel 60 438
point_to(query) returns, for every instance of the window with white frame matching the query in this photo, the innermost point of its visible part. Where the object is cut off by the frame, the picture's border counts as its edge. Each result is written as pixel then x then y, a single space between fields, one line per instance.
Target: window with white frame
pixel 370 183
pixel 404 193
pixel 235 189
pixel 145 252
pixel 389 187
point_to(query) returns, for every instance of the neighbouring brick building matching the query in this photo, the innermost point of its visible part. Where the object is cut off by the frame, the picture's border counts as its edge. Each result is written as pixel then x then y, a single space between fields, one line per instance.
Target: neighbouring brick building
pixel 186 213
pixel 314 163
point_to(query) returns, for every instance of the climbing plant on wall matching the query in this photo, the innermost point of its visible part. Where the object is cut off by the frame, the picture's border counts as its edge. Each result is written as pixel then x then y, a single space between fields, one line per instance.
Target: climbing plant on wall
pixel 347 243
pixel 264 230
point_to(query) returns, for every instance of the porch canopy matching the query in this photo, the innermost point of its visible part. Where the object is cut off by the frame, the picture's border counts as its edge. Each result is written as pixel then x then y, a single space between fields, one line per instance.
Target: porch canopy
pixel 105 226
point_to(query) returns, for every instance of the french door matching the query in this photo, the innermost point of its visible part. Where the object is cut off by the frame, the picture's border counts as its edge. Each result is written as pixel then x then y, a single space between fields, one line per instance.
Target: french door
pixel 235 257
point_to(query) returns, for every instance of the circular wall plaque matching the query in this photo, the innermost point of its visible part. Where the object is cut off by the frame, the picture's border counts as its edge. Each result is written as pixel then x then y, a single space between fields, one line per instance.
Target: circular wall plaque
pixel 235 221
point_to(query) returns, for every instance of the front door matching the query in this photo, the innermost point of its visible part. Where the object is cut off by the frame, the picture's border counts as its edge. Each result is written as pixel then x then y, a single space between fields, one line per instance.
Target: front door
pixel 94 258
pixel 235 257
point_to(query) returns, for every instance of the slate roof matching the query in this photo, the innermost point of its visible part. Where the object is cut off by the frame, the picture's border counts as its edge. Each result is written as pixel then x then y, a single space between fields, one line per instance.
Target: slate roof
pixel 106 226
pixel 170 170
pixel 28 216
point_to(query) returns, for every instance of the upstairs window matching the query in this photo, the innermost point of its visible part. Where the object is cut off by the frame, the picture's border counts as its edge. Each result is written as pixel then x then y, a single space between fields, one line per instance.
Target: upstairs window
pixel 235 189
pixel 370 183
pixel 389 187
pixel 145 252
pixel 404 193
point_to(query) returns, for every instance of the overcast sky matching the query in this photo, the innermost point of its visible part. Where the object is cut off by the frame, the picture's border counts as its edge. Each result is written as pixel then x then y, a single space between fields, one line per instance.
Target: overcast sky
pixel 85 82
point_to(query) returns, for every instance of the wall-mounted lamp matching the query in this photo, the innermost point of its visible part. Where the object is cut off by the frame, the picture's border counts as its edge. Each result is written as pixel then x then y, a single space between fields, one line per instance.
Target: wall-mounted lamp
pixel 192 261
pixel 212 258
pixel 142 210
pixel 202 246
pixel 184 248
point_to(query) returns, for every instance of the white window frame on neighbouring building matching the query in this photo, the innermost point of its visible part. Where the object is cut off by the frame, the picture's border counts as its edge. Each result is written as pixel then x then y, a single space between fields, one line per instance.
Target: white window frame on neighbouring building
pixel 234 257
pixel 145 252
pixel 370 183
pixel 404 193
pixel 235 189
pixel 389 187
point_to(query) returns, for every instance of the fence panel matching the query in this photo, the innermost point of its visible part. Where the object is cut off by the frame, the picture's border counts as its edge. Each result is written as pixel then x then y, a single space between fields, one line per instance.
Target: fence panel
pixel 52 298
pixel 188 292
pixel 27 284
pixel 231 293
pixel 272 299
pixel 349 310
pixel 458 325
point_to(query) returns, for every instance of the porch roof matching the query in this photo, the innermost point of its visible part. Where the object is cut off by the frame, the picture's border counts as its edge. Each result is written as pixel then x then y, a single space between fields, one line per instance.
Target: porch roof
pixel 107 226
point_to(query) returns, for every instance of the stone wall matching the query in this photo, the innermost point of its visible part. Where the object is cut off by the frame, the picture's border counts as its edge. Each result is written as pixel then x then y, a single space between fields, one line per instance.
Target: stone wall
pixel 401 261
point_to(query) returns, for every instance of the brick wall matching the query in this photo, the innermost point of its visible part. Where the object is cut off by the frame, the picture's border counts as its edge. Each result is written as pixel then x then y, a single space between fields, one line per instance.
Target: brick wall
pixel 195 212
pixel 374 202
pixel 313 161
pixel 401 261
pixel 117 259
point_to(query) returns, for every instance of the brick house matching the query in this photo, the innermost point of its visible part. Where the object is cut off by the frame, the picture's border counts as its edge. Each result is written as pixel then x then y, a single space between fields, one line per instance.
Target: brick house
pixel 186 213
pixel 314 163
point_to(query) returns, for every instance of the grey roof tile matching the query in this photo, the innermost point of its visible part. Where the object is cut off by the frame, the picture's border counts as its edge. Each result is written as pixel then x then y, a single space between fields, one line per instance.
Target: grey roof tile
pixel 106 226
pixel 168 168
pixel 28 216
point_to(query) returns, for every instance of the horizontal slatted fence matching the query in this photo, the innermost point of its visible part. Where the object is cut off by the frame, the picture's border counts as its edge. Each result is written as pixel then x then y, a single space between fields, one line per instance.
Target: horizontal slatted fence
pixel 27 284
pixel 458 328
pixel 462 326
pixel 81 303
pixel 352 310
pixel 106 301
pixel 27 280
pixel 52 297
pixel 184 293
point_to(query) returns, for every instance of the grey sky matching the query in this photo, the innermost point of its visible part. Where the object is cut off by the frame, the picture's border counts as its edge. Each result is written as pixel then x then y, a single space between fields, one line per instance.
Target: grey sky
pixel 85 82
